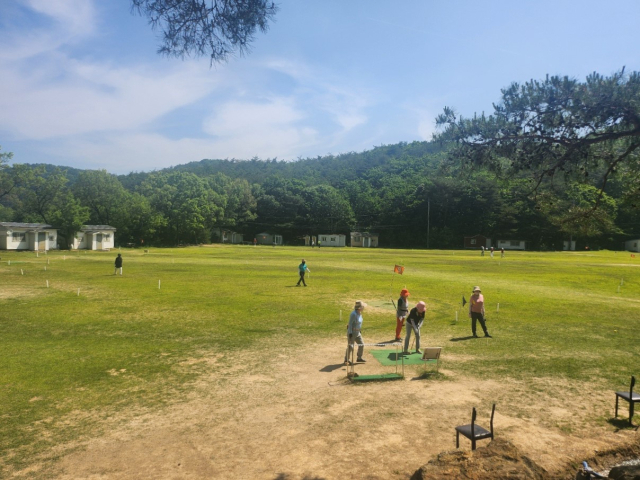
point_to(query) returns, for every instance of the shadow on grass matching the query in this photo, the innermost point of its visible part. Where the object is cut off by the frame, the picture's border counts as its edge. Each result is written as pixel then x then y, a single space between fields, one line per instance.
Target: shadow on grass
pixel 622 424
pixel 429 376
pixel 459 339
pixel 331 368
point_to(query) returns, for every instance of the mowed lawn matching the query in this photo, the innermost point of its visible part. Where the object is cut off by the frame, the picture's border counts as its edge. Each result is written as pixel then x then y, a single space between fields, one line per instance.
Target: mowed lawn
pixel 94 342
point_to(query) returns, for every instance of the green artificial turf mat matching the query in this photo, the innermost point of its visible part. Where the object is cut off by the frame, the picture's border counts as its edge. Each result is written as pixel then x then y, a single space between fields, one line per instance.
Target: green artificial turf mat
pixel 388 357
pixel 377 378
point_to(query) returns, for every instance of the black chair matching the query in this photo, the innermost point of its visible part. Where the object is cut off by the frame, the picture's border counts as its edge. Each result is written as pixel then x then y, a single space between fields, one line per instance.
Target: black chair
pixel 475 432
pixel 630 397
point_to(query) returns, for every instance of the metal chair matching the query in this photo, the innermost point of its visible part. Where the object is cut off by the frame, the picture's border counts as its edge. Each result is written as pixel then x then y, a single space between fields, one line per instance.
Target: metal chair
pixel 475 432
pixel 630 397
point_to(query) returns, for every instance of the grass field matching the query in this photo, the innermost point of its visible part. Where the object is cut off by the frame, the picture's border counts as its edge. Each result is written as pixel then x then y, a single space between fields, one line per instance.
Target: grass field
pixel 94 342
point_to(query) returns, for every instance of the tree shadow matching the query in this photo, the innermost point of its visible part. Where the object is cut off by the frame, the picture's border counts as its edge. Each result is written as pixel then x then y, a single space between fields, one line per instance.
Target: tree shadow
pixel 459 339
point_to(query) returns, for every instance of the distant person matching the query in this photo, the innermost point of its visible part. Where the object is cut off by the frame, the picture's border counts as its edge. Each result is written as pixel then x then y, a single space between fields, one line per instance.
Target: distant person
pixel 302 270
pixel 502 252
pixel 402 310
pixel 255 242
pixel 491 252
pixel 476 312
pixel 414 323
pixel 354 335
pixel 319 243
pixel 313 243
pixel 482 251
pixel 118 264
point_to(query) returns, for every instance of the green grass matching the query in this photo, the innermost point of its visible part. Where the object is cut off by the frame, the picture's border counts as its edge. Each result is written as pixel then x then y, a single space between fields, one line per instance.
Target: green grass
pixel 119 343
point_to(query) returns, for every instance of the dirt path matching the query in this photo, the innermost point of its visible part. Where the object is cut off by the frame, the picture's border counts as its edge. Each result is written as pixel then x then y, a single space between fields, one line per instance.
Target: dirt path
pixel 296 417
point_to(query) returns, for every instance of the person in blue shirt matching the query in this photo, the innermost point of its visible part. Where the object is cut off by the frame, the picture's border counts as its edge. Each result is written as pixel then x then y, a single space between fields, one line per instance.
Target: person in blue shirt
pixel 302 269
pixel 354 334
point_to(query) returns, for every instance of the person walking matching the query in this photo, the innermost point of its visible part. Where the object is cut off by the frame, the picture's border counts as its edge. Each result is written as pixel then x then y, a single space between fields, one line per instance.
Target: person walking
pixel 414 323
pixel 354 335
pixel 482 251
pixel 491 252
pixel 502 252
pixel 476 312
pixel 118 265
pixel 402 310
pixel 302 270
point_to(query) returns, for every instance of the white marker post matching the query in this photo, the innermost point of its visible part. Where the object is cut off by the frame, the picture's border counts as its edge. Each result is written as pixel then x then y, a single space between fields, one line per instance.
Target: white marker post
pixel 47 283
pixel 158 284
pixel 78 292
pixel 45 268
pixel 456 316
pixel 8 262
pixel 498 308
pixel 21 272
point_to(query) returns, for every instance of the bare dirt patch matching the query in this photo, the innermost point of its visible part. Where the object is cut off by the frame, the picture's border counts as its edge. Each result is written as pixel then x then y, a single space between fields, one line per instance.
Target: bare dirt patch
pixel 294 415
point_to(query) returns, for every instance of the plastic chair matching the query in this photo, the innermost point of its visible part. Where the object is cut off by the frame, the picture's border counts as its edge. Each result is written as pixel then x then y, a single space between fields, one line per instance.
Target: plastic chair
pixel 475 432
pixel 630 397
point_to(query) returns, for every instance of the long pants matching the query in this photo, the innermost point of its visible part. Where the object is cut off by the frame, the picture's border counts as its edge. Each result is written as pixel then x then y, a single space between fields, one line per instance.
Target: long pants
pixel 116 271
pixel 399 325
pixel 477 316
pixel 407 338
pixel 301 279
pixel 355 338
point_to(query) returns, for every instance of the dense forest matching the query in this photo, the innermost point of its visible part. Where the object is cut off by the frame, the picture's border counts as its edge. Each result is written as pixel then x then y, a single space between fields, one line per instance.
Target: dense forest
pixel 414 195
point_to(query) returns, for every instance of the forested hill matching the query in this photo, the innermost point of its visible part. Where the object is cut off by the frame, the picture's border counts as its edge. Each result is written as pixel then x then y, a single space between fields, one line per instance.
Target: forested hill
pixel 412 194
pixel 329 169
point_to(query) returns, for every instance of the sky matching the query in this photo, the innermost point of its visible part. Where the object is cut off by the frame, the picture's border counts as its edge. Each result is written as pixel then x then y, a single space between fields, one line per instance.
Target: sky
pixel 82 85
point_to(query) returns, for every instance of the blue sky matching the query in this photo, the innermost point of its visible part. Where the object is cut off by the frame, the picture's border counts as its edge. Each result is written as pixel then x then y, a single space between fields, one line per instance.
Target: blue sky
pixel 82 85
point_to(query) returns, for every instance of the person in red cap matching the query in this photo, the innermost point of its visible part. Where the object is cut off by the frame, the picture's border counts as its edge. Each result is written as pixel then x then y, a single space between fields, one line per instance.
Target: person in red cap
pixel 414 322
pixel 402 311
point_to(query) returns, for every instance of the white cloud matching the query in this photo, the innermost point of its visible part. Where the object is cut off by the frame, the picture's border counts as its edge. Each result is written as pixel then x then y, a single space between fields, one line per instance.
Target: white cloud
pixel 67 97
pixel 75 17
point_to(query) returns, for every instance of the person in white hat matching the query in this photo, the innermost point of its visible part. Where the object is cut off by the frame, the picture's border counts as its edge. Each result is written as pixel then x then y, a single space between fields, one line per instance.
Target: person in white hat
pixel 353 332
pixel 476 311
pixel 414 323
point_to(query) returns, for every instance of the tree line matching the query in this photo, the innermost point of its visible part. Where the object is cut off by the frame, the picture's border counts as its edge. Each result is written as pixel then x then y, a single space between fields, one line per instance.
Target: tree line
pixel 557 160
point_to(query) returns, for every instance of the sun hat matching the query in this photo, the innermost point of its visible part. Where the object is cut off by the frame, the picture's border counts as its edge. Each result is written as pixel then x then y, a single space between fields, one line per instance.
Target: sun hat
pixel 476 289
pixel 404 291
pixel 360 304
pixel 421 306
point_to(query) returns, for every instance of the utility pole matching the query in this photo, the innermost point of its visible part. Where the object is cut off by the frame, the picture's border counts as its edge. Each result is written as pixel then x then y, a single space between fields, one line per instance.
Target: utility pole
pixel 428 220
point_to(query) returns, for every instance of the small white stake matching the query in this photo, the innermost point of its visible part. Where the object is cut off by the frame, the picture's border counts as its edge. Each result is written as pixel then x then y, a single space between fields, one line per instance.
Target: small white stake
pixel 21 272
pixel 456 316
pixel 37 254
pixel 47 261
pixel 78 292
pixel 158 284
pixel 341 315
pixel 8 262
pixel 45 268
pixel 618 288
pixel 621 281
pixel 498 309
pixel 47 283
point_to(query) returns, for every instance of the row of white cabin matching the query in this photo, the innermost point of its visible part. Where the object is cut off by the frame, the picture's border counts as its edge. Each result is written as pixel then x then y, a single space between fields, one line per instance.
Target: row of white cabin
pixel 42 237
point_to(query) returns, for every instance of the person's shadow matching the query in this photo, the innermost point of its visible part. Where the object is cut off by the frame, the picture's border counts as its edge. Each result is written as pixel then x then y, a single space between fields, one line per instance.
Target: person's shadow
pixel 331 368
pixel 459 339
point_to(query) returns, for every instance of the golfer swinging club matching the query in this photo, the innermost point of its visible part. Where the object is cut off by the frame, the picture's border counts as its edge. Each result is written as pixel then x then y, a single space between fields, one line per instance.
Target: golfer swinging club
pixel 414 323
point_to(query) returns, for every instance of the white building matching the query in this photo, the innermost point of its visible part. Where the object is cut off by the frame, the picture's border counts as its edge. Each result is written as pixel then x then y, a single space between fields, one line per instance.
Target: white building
pixel 510 244
pixel 94 237
pixel 28 236
pixel 632 245
pixel 333 240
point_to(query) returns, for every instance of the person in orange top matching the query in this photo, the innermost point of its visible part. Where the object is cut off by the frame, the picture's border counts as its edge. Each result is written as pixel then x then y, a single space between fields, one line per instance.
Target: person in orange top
pixel 402 311
pixel 476 312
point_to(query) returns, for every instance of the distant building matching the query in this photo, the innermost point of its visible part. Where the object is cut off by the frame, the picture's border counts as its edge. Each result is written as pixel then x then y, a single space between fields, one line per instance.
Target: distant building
pixel 94 237
pixel 477 241
pixel 28 236
pixel 333 240
pixel 569 245
pixel 511 244
pixel 364 239
pixel 269 239
pixel 227 236
pixel 632 245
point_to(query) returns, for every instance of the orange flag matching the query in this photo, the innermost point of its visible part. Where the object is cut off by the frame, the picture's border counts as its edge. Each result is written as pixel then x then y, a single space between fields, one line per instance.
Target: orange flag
pixel 398 269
